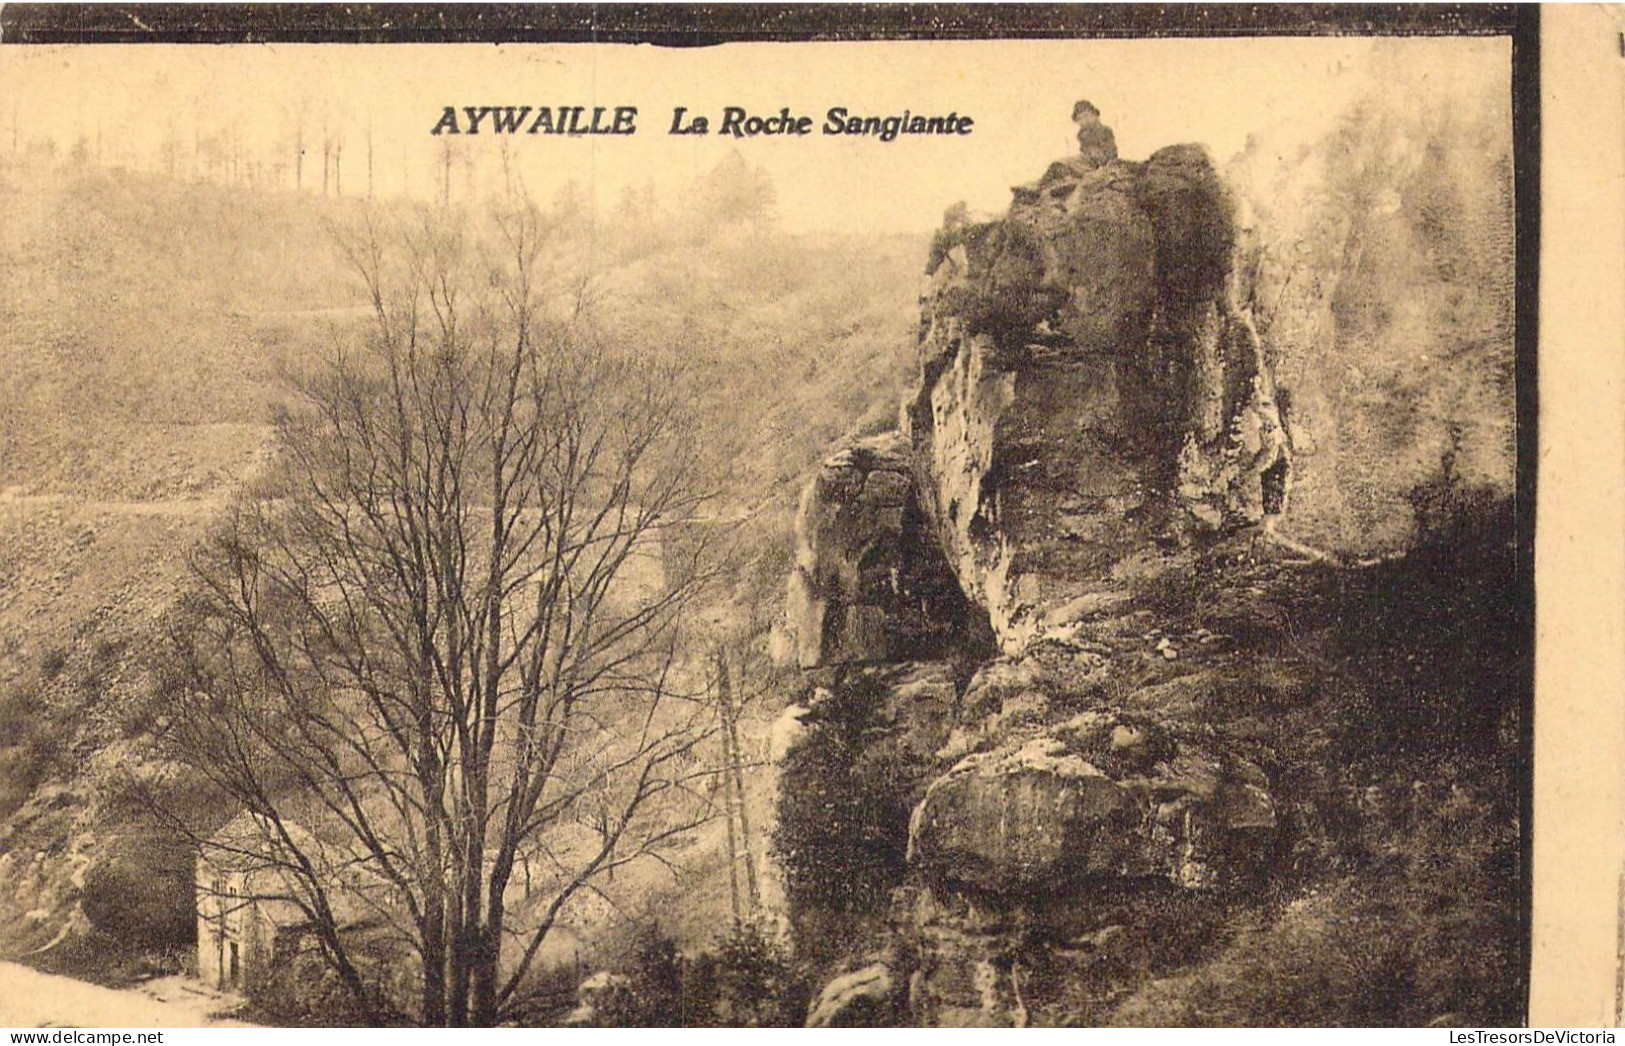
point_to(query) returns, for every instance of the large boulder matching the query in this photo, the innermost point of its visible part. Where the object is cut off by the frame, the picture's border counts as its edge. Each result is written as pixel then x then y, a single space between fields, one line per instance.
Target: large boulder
pixel 1096 798
pixel 860 999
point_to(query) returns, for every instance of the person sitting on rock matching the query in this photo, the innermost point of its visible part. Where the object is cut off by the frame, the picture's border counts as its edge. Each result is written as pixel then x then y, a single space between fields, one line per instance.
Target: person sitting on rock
pixel 1097 146
pixel 1096 143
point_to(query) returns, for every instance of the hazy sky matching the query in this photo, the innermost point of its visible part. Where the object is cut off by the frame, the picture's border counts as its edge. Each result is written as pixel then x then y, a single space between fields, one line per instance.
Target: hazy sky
pixel 1020 93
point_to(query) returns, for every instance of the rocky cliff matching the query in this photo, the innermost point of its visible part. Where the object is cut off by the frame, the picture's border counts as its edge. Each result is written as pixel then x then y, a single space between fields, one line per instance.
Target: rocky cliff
pixel 1191 726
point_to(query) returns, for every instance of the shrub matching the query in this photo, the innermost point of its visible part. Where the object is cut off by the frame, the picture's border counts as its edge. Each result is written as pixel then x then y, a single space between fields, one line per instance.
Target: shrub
pixel 31 745
pixel 142 897
pixel 748 981
pixel 548 995
pixel 655 969
pixel 842 833
pixel 52 662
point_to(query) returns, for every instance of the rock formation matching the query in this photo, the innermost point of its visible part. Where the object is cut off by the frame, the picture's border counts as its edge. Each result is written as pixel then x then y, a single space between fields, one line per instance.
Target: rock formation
pixel 868 585
pixel 1091 469
pixel 853 1000
pixel 1090 387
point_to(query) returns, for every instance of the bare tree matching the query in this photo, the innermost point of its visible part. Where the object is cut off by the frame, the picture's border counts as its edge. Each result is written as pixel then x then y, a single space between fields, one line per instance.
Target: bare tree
pixel 445 157
pixel 445 635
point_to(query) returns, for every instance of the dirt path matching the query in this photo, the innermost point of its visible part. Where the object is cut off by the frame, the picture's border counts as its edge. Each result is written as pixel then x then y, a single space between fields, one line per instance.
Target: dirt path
pixel 167 507
pixel 30 999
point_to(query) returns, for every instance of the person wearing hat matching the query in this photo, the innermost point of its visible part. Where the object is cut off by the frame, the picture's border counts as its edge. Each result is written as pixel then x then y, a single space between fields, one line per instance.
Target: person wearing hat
pixel 1096 143
pixel 1097 146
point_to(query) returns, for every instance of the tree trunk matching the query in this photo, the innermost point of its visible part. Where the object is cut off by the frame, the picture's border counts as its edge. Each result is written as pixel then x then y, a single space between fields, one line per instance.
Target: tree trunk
pixel 432 874
pixel 733 846
pixel 736 758
pixel 483 1003
pixel 434 963
pixel 734 784
pixel 457 982
pixel 488 956
pixel 728 785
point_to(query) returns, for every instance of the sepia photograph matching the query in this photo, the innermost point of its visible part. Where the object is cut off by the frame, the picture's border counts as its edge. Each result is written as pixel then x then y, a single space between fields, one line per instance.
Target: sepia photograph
pixel 945 529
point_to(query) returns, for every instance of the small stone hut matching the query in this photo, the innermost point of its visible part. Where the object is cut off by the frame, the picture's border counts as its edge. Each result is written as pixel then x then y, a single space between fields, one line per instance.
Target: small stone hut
pixel 246 896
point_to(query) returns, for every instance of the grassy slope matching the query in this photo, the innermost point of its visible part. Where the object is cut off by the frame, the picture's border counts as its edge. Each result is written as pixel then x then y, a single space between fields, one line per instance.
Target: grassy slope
pixel 140 337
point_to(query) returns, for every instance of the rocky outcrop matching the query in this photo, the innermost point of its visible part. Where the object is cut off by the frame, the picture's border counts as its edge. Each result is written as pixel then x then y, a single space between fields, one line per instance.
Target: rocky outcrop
pixel 1092 400
pixel 919 703
pixel 1089 387
pixel 912 715
pixel 1100 457
pixel 868 585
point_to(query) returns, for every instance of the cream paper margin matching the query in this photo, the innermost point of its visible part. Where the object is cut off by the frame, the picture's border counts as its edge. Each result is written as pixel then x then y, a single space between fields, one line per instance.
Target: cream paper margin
pixel 1580 523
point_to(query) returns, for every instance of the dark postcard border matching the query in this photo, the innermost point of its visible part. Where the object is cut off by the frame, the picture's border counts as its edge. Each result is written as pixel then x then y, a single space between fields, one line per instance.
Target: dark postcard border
pixel 698 25
pixel 1526 197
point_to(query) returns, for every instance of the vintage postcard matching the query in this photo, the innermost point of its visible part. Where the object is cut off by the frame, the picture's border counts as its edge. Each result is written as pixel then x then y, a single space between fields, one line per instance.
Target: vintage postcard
pixel 934 523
